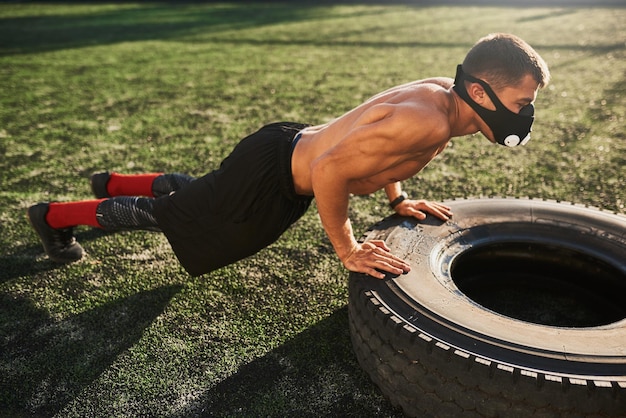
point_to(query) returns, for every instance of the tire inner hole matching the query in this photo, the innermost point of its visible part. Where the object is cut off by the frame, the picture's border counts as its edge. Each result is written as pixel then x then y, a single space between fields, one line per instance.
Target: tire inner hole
pixel 542 284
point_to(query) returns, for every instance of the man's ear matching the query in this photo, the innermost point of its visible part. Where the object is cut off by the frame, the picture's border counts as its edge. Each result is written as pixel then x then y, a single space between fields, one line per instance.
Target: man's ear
pixel 477 93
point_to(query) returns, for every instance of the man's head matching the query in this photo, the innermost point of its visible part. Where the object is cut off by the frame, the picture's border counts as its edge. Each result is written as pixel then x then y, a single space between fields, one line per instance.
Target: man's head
pixel 503 60
pixel 499 79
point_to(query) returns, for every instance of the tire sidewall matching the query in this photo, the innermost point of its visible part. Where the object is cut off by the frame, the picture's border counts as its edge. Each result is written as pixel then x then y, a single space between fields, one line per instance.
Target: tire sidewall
pixel 428 300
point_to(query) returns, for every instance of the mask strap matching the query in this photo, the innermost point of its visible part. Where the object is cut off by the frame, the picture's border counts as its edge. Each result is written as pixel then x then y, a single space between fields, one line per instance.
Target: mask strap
pixel 461 76
pixel 492 94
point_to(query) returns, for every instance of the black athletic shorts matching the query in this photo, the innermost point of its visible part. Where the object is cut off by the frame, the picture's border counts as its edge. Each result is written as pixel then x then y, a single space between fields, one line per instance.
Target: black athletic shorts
pixel 238 209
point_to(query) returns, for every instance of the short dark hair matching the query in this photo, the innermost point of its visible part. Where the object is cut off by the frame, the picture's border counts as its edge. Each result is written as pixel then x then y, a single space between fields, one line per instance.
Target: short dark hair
pixel 503 59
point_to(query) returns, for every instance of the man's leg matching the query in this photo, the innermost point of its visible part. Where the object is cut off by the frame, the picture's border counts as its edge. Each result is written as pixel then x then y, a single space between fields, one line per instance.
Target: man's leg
pixel 54 221
pixel 127 213
pixel 107 184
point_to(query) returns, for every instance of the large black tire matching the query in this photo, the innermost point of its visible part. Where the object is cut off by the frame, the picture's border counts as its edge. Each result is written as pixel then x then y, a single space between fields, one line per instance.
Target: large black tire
pixel 512 308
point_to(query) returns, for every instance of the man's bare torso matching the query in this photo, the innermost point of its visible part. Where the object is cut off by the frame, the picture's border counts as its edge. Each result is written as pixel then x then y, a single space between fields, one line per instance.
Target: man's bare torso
pixel 388 138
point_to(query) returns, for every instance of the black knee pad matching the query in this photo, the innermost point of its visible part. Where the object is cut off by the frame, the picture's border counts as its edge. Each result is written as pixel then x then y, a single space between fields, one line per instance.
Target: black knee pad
pixel 168 183
pixel 127 213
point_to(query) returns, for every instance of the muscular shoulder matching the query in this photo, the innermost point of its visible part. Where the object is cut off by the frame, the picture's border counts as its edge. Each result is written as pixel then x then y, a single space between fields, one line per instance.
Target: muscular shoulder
pixel 443 82
pixel 424 115
pixel 432 83
pixel 404 120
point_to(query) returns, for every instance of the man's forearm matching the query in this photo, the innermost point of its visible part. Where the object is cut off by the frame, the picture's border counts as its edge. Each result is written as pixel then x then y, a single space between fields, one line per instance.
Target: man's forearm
pixel 332 199
pixel 341 237
pixel 393 190
pixel 333 213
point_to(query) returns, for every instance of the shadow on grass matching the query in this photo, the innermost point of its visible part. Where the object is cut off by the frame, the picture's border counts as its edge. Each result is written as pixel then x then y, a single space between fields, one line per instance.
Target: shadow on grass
pixel 148 21
pixel 22 263
pixel 28 260
pixel 313 374
pixel 45 363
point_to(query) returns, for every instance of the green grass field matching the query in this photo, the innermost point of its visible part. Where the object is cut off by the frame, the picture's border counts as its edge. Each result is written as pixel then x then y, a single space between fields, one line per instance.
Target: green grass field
pixel 158 87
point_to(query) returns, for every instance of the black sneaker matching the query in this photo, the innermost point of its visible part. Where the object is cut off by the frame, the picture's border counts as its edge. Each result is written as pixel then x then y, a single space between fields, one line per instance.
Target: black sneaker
pixel 59 244
pixel 99 184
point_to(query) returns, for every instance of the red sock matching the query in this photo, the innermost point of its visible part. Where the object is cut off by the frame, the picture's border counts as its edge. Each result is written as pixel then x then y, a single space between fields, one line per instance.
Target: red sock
pixel 68 214
pixel 131 184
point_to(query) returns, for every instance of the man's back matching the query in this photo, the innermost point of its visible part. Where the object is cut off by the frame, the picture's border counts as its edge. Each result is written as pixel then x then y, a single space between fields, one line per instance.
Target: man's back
pixel 388 138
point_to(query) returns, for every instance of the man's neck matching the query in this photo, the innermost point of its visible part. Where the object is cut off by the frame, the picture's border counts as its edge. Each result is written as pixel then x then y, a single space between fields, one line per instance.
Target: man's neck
pixel 463 120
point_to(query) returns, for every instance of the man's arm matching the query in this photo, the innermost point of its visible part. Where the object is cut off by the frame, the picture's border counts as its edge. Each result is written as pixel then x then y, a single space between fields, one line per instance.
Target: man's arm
pixel 393 190
pixel 332 196
pixel 382 140
pixel 360 155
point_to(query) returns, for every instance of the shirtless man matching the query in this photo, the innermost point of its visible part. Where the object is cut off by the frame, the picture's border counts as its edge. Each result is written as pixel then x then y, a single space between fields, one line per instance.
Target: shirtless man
pixel 244 206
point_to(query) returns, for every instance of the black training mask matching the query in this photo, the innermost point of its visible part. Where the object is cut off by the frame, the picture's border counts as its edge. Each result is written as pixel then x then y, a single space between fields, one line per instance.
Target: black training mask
pixel 509 128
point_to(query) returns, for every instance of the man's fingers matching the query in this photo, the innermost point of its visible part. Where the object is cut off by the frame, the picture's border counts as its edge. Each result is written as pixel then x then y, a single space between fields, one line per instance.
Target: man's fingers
pixel 375 259
pixel 392 264
pixel 440 211
pixel 417 214
pixel 375 273
pixel 388 258
pixel 380 269
pixel 379 244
